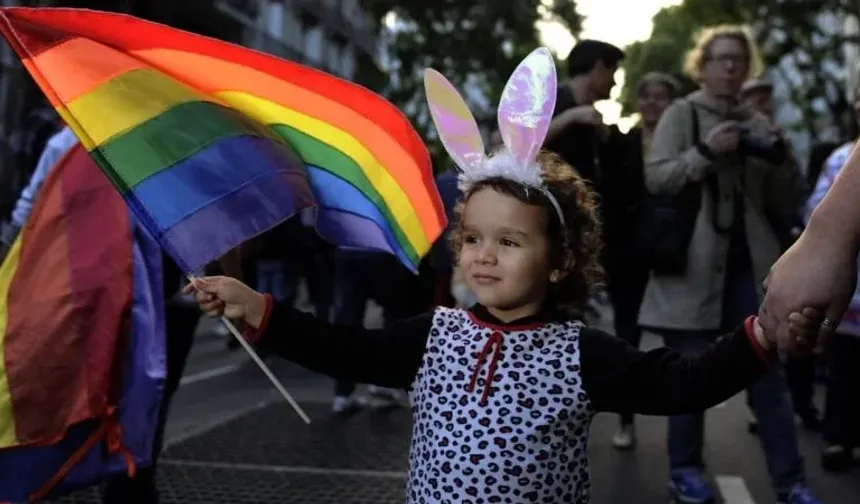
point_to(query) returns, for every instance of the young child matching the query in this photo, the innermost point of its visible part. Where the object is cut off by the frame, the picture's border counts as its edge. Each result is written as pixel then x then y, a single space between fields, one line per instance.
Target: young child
pixel 504 393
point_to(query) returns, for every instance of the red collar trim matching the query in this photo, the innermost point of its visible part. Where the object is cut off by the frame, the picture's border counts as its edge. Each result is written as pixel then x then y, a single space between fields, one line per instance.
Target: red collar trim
pixel 507 327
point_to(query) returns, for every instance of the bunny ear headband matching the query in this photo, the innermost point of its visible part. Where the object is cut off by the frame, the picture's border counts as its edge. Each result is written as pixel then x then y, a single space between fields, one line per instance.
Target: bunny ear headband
pixel 525 112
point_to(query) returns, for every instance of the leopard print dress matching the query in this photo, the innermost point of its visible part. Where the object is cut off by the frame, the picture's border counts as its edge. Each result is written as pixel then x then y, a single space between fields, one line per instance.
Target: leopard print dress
pixel 521 435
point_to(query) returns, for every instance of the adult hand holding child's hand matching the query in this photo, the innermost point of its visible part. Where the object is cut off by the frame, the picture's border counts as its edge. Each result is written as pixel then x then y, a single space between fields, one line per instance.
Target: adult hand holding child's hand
pixel 802 335
pixel 224 296
pixel 816 271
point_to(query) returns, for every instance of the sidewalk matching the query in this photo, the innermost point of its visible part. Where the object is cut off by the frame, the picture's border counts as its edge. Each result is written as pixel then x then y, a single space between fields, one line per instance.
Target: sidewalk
pixel 269 456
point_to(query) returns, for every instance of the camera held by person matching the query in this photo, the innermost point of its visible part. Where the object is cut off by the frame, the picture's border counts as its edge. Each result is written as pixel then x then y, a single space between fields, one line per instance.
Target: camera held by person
pixel 769 147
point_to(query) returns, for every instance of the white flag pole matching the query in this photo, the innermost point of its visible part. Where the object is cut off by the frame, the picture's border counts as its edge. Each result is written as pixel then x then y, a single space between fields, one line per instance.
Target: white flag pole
pixel 262 365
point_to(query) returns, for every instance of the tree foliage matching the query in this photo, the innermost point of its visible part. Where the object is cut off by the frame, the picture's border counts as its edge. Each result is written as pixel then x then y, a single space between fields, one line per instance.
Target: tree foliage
pixel 476 44
pixel 807 36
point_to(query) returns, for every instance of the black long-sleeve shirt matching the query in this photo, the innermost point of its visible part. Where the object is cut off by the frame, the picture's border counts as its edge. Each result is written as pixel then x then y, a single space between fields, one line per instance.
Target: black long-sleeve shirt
pixel 522 436
pixel 616 376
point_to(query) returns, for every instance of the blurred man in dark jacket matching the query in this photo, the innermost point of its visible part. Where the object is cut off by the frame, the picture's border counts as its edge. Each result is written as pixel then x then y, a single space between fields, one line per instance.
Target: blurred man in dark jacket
pixel 597 151
pixel 612 163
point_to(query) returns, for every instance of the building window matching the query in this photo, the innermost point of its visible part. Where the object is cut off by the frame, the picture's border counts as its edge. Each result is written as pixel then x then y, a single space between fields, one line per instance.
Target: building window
pixel 347 62
pixel 293 30
pixel 275 20
pixel 315 45
pixel 334 51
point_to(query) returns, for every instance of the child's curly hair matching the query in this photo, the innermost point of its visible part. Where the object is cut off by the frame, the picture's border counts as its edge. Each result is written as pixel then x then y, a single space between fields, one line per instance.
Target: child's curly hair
pixel 576 249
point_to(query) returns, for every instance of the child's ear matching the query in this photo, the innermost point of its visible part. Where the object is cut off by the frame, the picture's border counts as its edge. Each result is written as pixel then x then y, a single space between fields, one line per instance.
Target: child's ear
pixel 557 276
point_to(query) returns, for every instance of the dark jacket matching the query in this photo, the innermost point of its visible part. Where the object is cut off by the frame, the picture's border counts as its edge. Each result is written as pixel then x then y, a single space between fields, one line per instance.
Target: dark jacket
pixel 613 168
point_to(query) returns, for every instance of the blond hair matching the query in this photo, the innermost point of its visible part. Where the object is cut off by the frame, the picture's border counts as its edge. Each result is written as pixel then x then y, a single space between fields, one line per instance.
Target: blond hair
pixel 698 56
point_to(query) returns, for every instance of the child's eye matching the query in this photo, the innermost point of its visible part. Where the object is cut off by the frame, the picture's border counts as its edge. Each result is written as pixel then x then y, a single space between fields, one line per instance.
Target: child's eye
pixel 470 239
pixel 508 243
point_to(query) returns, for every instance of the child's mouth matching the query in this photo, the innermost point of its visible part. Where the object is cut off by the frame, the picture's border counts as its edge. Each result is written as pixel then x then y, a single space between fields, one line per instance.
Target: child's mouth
pixel 485 279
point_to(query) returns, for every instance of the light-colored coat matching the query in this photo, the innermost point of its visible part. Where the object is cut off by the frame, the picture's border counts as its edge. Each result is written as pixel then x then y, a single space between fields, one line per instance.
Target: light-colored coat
pixel 694 301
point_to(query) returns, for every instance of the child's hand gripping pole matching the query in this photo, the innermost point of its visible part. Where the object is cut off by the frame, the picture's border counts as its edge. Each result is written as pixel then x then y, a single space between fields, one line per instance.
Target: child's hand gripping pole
pixel 257 360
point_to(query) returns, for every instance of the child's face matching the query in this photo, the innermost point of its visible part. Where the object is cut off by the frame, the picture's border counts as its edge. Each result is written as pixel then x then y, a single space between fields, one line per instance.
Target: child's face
pixel 505 253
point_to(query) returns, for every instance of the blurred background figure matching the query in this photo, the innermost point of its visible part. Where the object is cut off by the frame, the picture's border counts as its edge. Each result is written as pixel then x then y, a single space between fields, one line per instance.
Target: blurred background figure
pixel 757 94
pixel 599 152
pixel 440 256
pixel 713 148
pixel 364 276
pixel 55 147
pixel 654 93
pixel 842 352
pixel 355 275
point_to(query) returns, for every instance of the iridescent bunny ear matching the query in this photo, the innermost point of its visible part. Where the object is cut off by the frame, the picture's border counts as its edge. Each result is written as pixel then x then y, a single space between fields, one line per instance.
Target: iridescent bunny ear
pixel 527 104
pixel 454 122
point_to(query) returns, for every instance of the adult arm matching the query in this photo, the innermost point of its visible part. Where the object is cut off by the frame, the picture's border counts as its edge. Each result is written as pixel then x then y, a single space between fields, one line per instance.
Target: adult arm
pixel 820 269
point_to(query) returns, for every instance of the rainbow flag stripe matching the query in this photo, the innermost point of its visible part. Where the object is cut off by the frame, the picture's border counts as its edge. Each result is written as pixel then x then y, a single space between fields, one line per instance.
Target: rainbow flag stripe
pixel 81 333
pixel 64 290
pixel 193 131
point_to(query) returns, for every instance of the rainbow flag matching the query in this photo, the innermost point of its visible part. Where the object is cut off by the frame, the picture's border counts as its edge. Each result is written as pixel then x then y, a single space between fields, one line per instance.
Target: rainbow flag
pixel 81 338
pixel 194 133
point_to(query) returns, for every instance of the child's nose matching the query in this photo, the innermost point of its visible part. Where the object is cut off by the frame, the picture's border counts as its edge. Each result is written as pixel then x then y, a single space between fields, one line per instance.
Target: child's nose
pixel 487 254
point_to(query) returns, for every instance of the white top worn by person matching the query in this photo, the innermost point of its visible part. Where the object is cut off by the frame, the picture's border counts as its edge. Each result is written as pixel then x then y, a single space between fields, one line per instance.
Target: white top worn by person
pixel 56 147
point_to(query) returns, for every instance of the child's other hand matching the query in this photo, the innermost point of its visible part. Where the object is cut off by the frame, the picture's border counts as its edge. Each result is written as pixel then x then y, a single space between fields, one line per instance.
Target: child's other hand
pixel 804 330
pixel 225 296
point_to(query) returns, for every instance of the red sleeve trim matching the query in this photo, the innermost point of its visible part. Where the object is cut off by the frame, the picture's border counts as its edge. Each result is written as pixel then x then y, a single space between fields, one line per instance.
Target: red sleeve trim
pixel 252 335
pixel 768 356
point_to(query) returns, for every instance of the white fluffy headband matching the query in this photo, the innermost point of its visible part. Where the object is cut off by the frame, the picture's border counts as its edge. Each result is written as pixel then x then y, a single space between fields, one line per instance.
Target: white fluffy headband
pixel 525 112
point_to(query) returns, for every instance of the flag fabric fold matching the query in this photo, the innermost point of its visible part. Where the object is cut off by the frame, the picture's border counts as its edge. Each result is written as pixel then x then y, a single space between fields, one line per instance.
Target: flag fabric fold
pixel 81 338
pixel 212 143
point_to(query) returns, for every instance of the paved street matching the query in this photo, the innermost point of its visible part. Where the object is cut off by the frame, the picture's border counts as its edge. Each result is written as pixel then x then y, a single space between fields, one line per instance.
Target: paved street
pixel 233 441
